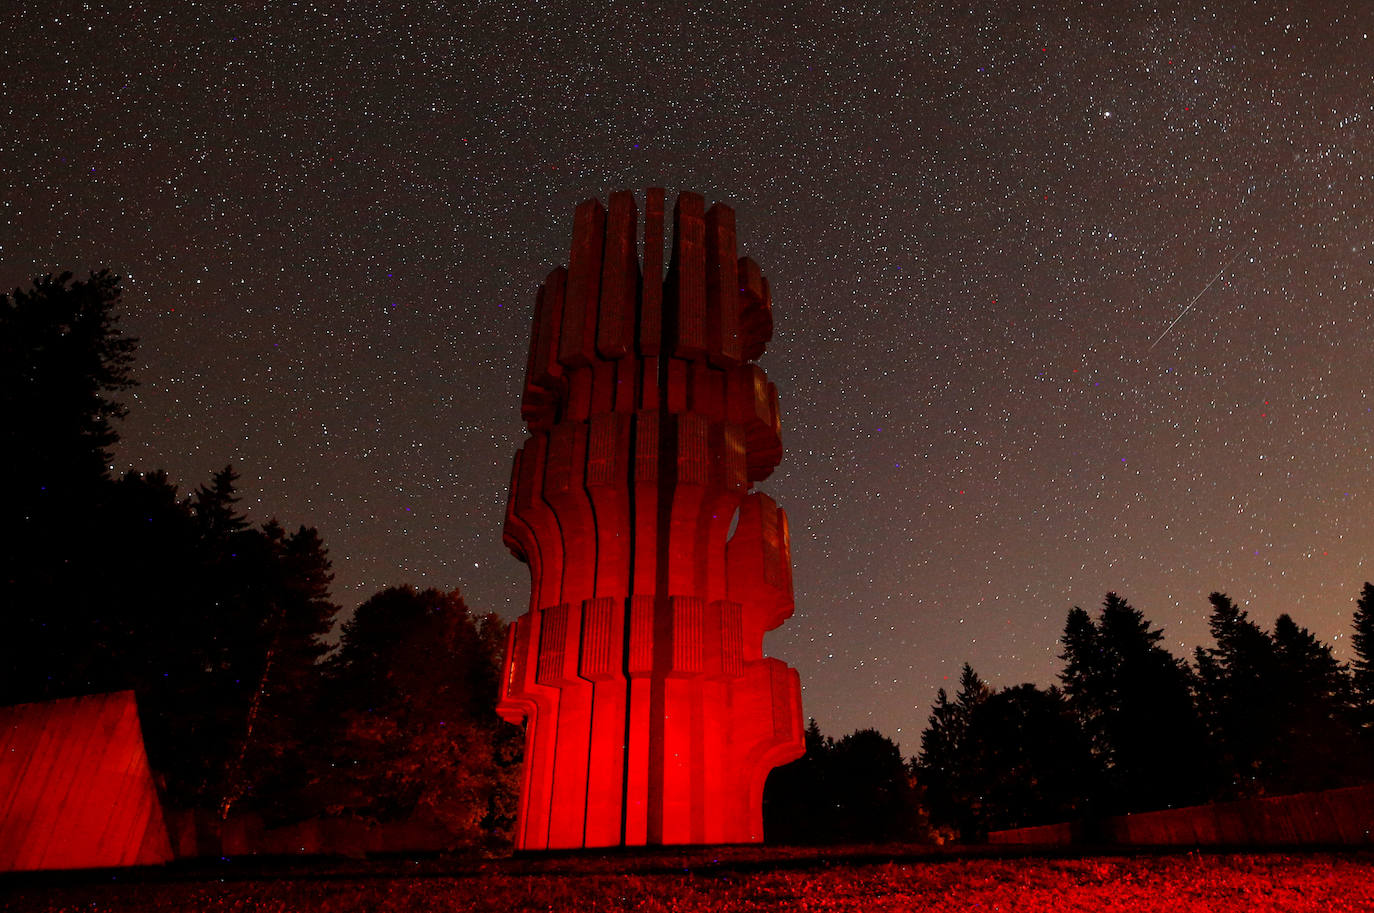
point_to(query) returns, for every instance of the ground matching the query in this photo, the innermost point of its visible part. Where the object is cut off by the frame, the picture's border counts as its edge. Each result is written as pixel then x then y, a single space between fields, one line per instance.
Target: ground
pixel 731 879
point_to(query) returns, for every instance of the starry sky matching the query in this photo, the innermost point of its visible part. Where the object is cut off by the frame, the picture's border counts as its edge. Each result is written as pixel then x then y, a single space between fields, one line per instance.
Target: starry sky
pixel 1069 297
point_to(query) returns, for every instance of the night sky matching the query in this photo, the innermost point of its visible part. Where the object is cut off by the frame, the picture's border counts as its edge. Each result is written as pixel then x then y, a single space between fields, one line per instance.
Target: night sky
pixel 1067 300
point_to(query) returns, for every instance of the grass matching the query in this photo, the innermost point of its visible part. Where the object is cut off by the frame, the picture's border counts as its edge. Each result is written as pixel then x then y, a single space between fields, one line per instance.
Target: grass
pixel 863 879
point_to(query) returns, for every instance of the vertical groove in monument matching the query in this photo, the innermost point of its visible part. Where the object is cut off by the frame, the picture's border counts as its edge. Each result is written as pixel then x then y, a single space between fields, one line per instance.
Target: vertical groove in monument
pixel 651 713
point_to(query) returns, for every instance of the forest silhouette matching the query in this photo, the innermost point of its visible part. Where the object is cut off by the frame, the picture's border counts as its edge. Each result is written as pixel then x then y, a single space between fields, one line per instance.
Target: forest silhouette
pixel 218 625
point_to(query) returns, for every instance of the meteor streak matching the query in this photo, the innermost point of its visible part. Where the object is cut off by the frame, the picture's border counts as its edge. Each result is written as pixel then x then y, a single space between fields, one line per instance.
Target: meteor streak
pixel 1190 304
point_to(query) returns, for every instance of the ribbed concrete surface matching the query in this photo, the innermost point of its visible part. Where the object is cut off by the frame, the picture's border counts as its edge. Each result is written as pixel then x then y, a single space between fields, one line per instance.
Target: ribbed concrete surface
pixel 75 787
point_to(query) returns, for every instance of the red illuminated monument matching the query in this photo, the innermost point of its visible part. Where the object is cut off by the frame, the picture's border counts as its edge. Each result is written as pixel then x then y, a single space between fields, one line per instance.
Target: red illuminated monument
pixel 652 715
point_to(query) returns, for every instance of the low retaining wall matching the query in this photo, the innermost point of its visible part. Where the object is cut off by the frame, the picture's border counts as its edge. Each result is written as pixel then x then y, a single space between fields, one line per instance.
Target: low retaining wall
pixel 1332 817
pixel 1065 834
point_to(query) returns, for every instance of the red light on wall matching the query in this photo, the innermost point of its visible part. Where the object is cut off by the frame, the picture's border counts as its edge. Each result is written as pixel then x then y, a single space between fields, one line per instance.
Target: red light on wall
pixel 75 787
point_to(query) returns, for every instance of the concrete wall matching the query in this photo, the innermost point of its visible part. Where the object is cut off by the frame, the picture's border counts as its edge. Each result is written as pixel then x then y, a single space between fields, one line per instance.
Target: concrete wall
pixel 1332 817
pixel 1064 834
pixel 75 787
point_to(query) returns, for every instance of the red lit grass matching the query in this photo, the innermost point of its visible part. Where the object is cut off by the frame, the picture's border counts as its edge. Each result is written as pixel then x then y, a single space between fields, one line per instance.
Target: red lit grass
pixel 1186 882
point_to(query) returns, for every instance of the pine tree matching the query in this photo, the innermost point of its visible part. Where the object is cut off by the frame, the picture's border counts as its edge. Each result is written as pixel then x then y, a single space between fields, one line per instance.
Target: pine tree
pixel 1085 678
pixel 943 742
pixel 1239 682
pixel 873 796
pixel 941 738
pixel 63 359
pixel 1318 747
pixel 1084 665
pixel 1134 702
pixel 62 356
pixel 797 805
pixel 1029 762
pixel 1362 665
pixel 270 767
pixel 214 506
pixel 944 767
pixel 938 763
pixel 972 691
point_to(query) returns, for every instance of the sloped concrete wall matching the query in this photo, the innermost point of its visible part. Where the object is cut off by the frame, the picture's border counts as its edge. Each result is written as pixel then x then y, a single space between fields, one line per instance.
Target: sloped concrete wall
pixel 75 787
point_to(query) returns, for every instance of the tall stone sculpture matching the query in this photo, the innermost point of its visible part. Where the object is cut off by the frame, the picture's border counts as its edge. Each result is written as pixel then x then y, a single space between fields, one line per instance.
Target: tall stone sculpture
pixel 652 715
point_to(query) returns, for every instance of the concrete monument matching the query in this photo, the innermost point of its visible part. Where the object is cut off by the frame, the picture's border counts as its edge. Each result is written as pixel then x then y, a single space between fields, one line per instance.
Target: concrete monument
pixel 652 715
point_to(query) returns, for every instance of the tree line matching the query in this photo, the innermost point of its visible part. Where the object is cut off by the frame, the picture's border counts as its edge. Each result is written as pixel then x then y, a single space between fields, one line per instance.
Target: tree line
pixel 219 625
pixel 1130 727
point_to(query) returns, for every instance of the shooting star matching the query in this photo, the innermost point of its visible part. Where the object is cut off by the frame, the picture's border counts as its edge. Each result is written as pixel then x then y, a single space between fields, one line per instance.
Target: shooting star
pixel 1190 304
